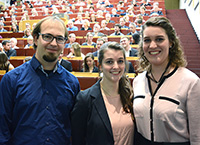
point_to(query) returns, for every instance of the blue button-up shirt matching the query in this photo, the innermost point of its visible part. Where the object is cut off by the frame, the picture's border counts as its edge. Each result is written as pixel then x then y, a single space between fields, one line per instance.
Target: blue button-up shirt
pixel 35 106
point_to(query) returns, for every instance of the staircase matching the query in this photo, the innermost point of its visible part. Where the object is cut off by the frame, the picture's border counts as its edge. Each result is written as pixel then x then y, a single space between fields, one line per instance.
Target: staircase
pixel 187 36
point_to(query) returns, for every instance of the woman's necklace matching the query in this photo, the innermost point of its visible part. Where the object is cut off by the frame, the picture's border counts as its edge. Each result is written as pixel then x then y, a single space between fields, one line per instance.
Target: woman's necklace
pixel 153 78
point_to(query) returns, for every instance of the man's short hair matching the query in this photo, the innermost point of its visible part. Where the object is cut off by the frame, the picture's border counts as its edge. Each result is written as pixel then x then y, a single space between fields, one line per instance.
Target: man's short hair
pixel 104 21
pixel 104 35
pixel 14 39
pixel 139 21
pixel 101 39
pixel 97 25
pixel 37 28
pixel 71 34
pixel 136 38
pixel 118 25
pixel 120 2
pixel 4 42
pixel 107 14
pixel 30 38
pixel 70 21
pixel 133 24
pixel 125 37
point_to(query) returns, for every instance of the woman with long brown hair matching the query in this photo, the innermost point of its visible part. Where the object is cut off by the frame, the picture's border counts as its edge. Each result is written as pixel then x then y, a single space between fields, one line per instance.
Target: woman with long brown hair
pixel 89 64
pixel 4 63
pixel 103 114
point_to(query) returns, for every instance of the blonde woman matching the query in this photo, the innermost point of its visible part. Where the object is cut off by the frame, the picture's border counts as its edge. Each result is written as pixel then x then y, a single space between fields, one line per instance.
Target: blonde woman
pixel 86 25
pixel 75 50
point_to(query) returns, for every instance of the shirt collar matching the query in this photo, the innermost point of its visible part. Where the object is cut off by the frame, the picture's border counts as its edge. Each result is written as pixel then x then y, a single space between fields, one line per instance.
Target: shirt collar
pixel 37 65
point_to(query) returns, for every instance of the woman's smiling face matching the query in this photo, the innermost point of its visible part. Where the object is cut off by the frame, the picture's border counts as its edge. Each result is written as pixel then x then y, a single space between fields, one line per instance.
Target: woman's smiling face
pixel 156 45
pixel 113 65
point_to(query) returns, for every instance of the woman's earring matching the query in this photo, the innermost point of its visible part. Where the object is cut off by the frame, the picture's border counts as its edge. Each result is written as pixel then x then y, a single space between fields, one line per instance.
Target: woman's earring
pixel 171 46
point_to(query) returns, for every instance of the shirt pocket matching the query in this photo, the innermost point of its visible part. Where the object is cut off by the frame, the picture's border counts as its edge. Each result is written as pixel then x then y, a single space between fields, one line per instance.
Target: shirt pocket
pixel 138 106
pixel 166 108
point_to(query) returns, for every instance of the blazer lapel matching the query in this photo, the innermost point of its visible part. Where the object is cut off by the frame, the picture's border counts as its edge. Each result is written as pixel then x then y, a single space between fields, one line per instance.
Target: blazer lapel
pixel 100 107
pixel 131 52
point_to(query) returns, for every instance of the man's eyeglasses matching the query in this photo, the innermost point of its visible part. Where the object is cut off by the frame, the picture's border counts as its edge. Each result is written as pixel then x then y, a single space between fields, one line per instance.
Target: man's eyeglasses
pixel 49 38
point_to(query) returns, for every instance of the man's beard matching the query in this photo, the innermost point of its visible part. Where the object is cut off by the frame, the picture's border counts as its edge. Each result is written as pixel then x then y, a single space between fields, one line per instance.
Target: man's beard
pixel 50 57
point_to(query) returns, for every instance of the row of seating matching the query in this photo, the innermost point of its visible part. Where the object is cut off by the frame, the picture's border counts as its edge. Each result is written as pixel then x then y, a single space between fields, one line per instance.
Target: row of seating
pixel 11 34
pixel 81 39
pixel 106 32
pixel 19 12
pixel 25 52
pixel 21 42
pixel 77 33
pixel 77 62
pixel 109 25
pixel 74 15
pixel 40 11
pixel 31 51
pixel 71 16
pixel 86 80
pixel 84 50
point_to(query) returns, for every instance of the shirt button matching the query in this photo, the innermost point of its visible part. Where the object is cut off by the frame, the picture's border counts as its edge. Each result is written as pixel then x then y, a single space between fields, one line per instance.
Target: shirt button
pixel 47 107
pixel 47 92
pixel 47 123
pixel 47 139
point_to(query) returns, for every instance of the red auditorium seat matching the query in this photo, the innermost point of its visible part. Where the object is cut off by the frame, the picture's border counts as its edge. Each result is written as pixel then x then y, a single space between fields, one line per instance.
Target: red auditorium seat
pixel 76 64
pixel 114 38
pixel 86 50
pixel 16 62
pixel 66 51
pixel 8 28
pixel 134 63
pixel 21 42
pixel 1 76
pixel 21 52
pixel 86 82
pixel 30 52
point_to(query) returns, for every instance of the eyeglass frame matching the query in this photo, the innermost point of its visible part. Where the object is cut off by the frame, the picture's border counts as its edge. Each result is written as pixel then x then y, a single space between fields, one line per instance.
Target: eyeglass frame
pixel 53 37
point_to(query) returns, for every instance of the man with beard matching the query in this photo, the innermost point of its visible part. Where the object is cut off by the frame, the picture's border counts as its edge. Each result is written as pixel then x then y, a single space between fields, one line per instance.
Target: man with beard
pixel 7 48
pixel 37 97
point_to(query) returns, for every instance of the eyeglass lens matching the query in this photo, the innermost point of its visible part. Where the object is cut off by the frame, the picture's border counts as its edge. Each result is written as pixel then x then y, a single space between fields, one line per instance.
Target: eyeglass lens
pixel 49 38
